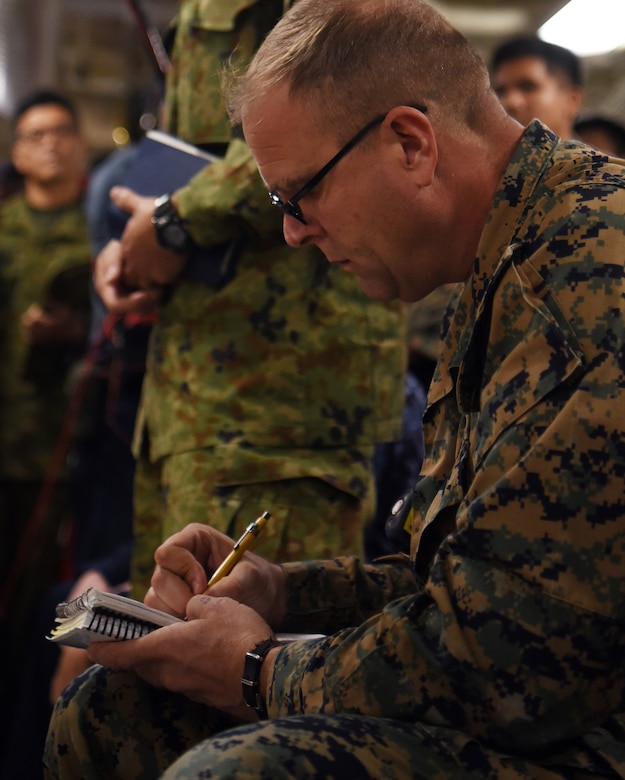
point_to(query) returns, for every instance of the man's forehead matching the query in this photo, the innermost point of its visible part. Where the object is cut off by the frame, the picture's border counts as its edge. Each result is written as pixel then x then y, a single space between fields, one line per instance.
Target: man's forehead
pixel 286 142
pixel 526 67
pixel 40 113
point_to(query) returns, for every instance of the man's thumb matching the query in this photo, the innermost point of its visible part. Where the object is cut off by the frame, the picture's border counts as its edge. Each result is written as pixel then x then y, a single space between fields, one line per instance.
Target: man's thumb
pixel 124 198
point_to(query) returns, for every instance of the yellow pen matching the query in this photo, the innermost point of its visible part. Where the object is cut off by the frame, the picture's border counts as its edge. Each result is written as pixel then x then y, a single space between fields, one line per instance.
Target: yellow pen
pixel 251 533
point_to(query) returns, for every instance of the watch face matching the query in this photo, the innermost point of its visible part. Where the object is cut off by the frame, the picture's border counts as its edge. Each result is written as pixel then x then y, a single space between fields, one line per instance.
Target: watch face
pixel 170 233
pixel 174 236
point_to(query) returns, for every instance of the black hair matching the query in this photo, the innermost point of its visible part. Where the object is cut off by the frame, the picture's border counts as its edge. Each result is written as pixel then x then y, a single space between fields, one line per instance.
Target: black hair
pixel 559 60
pixel 45 97
pixel 610 127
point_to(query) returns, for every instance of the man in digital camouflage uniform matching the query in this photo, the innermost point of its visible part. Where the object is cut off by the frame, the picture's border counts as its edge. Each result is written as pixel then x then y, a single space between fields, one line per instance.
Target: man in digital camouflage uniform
pixel 496 648
pixel 267 389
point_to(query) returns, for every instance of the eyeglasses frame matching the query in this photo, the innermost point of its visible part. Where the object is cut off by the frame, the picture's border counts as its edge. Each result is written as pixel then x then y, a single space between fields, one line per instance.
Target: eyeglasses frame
pixel 290 207
pixel 60 132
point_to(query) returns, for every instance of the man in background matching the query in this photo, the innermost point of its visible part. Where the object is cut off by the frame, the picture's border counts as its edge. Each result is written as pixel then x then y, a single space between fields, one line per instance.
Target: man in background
pixel 603 132
pixel 44 319
pixel 538 80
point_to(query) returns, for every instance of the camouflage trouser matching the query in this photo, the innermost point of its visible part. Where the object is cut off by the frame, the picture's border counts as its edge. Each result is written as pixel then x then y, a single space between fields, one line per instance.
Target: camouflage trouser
pixel 111 725
pixel 310 518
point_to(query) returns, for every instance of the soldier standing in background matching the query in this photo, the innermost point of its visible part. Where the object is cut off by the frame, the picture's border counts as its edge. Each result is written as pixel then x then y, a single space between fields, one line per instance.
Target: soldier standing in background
pixel 535 79
pixel 267 389
pixel 44 320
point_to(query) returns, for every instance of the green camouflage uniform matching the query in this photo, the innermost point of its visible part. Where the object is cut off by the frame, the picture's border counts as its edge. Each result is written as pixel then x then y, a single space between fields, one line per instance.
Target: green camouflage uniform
pixel 496 650
pixel 271 392
pixel 44 256
pixel 35 247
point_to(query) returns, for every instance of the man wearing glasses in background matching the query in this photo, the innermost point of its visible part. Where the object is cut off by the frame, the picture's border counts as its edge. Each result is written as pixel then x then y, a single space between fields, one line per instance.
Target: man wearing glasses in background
pixel 44 320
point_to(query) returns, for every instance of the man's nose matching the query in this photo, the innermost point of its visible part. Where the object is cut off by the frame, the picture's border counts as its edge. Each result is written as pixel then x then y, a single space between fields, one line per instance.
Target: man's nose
pixel 297 234
pixel 512 100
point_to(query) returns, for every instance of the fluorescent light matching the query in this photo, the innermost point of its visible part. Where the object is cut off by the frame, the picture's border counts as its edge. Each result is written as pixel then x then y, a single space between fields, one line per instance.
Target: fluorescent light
pixel 500 22
pixel 587 27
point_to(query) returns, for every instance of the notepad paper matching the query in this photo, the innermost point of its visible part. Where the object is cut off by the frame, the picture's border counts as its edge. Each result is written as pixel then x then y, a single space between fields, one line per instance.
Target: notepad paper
pixel 96 616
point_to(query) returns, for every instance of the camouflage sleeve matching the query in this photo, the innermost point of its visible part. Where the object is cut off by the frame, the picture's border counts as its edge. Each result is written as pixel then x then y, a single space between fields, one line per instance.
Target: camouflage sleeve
pixel 325 596
pixel 479 648
pixel 229 197
pixel 516 636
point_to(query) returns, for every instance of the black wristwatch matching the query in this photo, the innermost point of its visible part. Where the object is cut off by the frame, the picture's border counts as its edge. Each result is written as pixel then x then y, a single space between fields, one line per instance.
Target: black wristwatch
pixel 169 226
pixel 250 681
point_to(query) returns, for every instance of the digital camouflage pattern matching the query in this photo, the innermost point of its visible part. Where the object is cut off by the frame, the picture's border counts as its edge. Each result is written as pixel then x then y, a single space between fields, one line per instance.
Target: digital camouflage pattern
pixel 496 649
pixel 334 747
pixel 515 636
pixel 35 247
pixel 286 373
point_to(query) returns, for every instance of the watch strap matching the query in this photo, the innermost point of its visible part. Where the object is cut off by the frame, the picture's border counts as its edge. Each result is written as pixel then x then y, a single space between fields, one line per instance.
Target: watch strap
pixel 250 682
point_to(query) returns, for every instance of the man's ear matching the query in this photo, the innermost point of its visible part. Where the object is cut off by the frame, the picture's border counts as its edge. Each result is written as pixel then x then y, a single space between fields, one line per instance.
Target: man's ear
pixel 576 101
pixel 415 135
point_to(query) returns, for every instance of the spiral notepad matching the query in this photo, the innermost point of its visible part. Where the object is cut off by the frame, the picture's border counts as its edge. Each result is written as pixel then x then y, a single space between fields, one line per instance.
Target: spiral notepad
pixel 95 616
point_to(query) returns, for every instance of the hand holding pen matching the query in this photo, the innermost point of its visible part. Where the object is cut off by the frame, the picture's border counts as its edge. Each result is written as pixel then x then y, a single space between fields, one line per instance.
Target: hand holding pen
pixel 249 536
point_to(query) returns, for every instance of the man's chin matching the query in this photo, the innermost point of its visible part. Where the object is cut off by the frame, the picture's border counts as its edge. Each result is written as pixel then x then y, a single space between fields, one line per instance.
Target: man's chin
pixel 377 291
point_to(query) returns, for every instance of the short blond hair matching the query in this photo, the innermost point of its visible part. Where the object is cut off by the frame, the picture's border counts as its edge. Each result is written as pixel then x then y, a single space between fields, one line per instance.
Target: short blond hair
pixel 358 58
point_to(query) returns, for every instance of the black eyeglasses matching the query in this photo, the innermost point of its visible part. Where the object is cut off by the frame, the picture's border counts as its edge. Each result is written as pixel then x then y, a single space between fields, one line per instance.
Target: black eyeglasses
pixel 58 132
pixel 290 206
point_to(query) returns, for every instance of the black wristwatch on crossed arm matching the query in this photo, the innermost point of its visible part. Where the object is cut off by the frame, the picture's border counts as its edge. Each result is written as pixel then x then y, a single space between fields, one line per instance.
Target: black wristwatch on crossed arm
pixel 171 232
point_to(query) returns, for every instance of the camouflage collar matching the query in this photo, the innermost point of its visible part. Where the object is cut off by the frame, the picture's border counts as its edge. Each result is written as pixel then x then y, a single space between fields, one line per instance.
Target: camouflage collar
pixel 512 200
pixel 513 196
